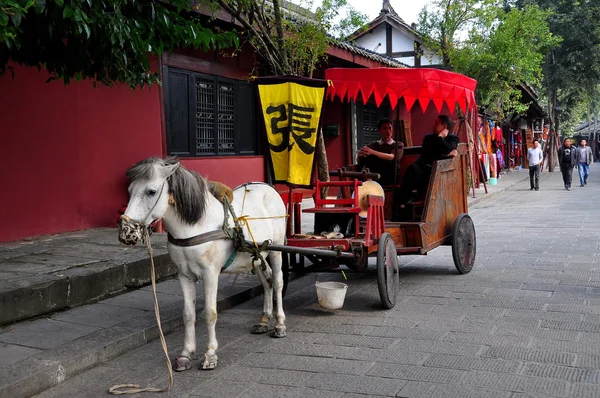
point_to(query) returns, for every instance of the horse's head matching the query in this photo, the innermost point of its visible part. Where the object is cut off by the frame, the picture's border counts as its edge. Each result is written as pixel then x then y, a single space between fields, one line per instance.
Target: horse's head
pixel 154 185
pixel 148 197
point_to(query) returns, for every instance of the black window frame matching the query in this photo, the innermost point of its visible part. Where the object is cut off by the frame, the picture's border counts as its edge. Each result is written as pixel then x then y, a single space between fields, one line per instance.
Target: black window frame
pixel 180 90
pixel 368 114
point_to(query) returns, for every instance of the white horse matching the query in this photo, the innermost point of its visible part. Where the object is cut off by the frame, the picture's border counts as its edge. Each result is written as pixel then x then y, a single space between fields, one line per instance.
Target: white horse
pixel 164 189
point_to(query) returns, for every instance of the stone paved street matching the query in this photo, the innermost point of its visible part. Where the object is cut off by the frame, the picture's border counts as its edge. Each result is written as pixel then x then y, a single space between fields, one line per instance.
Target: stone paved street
pixel 524 323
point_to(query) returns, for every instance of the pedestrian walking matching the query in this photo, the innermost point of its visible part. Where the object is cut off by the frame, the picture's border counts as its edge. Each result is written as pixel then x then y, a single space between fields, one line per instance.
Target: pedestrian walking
pixel 584 159
pixel 534 157
pixel 567 160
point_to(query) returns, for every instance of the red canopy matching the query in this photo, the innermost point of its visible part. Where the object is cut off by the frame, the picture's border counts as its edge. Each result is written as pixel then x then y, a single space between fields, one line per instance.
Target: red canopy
pixel 413 84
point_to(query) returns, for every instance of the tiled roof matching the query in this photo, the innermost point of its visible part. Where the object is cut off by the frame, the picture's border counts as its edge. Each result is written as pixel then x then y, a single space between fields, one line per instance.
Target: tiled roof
pixel 372 55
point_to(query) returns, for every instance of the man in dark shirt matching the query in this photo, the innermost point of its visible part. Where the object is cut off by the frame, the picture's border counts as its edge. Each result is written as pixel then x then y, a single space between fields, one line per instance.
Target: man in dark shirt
pixel 436 146
pixel 567 160
pixel 379 156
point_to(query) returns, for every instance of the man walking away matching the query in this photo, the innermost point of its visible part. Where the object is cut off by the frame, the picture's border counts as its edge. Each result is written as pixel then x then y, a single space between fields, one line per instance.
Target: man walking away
pixel 567 160
pixel 585 159
pixel 534 157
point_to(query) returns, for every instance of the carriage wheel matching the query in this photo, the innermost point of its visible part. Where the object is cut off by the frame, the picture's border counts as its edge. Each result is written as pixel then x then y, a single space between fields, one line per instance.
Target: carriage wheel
pixel 463 243
pixel 388 278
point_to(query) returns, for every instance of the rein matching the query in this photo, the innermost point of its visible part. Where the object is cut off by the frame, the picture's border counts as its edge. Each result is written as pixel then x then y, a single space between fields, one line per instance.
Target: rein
pixel 135 388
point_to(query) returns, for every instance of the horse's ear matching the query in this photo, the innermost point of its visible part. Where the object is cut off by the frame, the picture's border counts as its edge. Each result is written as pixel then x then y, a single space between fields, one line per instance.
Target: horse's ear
pixel 167 171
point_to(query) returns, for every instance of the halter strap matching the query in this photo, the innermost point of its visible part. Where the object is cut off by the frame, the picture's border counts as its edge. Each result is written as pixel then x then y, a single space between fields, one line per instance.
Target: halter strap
pixel 198 239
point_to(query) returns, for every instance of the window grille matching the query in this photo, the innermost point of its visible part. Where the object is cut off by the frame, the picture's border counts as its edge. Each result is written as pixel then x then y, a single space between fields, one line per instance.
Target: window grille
pixel 205 112
pixel 226 115
pixel 370 119
pixel 209 115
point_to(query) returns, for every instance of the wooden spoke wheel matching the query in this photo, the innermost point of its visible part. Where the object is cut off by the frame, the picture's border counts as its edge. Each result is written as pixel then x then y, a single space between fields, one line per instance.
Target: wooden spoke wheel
pixel 388 278
pixel 463 243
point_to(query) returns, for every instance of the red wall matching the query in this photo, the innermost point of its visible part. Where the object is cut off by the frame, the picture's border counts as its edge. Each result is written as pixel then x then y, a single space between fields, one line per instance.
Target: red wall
pixel 338 148
pixel 65 150
pixel 232 171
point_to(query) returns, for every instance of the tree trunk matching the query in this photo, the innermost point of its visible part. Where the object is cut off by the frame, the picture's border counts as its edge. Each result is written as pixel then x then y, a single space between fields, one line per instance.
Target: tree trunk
pixel 322 163
pixel 279 27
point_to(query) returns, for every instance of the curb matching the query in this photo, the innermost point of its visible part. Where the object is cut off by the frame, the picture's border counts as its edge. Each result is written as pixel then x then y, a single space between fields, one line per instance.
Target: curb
pixel 485 196
pixel 79 285
pixel 36 374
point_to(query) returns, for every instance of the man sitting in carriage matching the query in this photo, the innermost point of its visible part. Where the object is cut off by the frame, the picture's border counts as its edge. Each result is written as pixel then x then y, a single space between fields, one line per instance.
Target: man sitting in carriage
pixel 436 146
pixel 381 156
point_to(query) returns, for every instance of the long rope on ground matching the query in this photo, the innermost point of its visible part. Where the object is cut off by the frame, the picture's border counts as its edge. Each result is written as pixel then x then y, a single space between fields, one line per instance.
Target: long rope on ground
pixel 135 388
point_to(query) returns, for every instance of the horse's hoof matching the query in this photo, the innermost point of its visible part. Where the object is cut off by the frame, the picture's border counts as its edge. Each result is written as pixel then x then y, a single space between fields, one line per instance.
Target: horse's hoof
pixel 182 363
pixel 260 329
pixel 279 332
pixel 210 362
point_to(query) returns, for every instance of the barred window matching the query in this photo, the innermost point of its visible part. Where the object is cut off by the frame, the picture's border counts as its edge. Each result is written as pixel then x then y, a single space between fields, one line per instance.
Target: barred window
pixel 369 126
pixel 209 115
pixel 367 116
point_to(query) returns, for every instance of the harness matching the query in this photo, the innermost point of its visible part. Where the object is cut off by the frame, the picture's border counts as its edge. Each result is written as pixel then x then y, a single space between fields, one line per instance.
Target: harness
pixel 235 233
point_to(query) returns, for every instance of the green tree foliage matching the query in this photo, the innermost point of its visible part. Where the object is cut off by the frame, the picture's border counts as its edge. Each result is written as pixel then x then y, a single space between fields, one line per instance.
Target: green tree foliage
pixel 441 22
pixel 105 41
pixel 508 54
pixel 290 38
pixel 571 70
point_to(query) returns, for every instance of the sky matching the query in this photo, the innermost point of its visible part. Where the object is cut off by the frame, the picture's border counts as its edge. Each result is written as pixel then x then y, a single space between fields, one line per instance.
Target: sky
pixel 408 10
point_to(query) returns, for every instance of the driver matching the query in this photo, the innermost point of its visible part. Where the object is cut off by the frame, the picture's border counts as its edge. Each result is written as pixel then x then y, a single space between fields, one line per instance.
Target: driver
pixel 380 156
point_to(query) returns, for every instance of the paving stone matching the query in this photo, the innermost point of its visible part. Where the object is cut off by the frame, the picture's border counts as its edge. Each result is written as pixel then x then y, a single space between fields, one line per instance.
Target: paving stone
pixel 442 347
pixel 530 355
pixel 589 337
pixel 143 300
pixel 582 390
pixel 356 384
pixel 575 326
pixel 307 364
pixel 417 389
pixel 549 334
pixel 356 341
pixel 472 363
pixel 45 334
pixel 536 385
pixel 397 355
pixel 546 315
pixel 420 373
pixel 489 339
pixel 405 333
pixel 95 383
pixel 100 315
pixel 579 309
pixel 567 346
pixel 219 388
pixel 562 372
pixel 10 353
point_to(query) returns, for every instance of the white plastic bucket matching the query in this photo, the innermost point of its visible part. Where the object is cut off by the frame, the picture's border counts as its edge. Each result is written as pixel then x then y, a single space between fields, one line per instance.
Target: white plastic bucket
pixel 331 295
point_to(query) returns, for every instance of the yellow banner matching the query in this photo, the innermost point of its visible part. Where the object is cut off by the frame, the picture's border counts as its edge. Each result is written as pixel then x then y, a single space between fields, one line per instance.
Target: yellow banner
pixel 291 112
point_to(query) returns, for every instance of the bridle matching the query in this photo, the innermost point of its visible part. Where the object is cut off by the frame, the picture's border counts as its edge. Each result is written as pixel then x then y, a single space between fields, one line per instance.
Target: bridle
pixel 130 226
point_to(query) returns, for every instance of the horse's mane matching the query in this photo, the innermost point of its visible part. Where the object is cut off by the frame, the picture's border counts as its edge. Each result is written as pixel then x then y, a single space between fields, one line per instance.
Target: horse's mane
pixel 188 188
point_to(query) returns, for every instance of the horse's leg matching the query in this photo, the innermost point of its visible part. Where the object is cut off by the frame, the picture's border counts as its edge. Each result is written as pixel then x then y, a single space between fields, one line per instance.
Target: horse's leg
pixel 276 263
pixel 211 284
pixel 184 361
pixel 263 324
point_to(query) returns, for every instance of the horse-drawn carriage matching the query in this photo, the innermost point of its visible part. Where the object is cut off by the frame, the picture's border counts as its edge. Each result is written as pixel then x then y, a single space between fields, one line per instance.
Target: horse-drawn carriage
pixel 366 230
pixel 207 237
